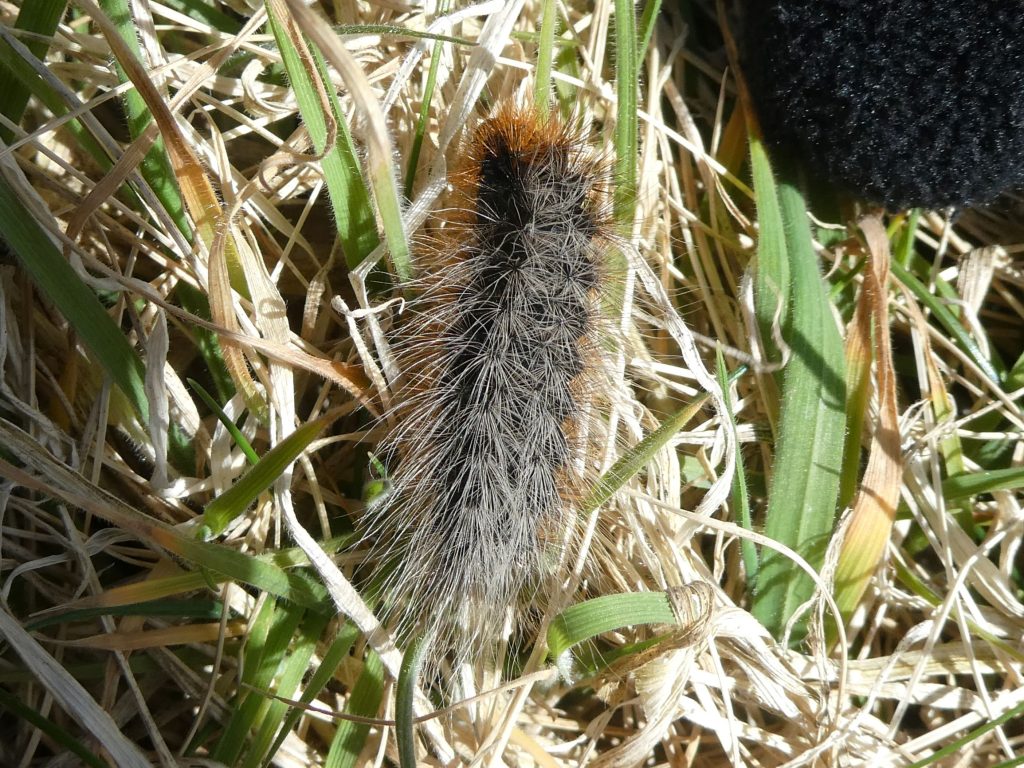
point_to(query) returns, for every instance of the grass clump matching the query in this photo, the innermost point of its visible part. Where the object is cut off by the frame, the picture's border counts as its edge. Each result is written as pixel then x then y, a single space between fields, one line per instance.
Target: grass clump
pixel 187 427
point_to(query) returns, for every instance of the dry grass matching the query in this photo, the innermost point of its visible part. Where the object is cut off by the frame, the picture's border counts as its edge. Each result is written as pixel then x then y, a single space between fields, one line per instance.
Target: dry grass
pixel 98 518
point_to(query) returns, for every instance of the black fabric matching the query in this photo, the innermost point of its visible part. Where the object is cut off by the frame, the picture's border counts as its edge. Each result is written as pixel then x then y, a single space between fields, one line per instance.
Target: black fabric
pixel 901 102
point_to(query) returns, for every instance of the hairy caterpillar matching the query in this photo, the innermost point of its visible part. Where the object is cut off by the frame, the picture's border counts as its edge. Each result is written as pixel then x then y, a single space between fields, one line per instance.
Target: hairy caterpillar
pixel 499 363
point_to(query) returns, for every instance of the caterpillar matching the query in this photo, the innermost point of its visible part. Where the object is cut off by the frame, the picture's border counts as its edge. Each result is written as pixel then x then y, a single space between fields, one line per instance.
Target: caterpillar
pixel 498 363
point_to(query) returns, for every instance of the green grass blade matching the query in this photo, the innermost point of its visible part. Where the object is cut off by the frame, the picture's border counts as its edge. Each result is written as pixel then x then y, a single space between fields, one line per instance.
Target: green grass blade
pixel 566 62
pixel 73 299
pixel 963 486
pixel 640 454
pixel 771 273
pixel 62 482
pixel 405 695
pixel 236 499
pixel 626 85
pixel 350 200
pixel 193 300
pixel 545 57
pixel 912 582
pixel 647 21
pixel 583 621
pixel 86 672
pixel 946 319
pixel 957 747
pixel 740 494
pixel 364 701
pixel 337 651
pixel 262 574
pixel 156 165
pixel 903 243
pixel 808 459
pixel 902 234
pixel 399 31
pixel 266 643
pixel 14 66
pixel 1015 376
pixel 51 730
pixel 380 153
pixel 229 425
pixel 303 591
pixel 179 609
pixel 158 172
pixel 40 17
pixel 424 116
pixel 589 660
pixel 286 680
pixel 207 14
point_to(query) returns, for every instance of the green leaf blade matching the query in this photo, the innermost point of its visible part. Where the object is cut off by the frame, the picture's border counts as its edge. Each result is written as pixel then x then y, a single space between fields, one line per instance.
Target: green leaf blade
pixel 234 501
pixel 74 299
pixel 583 621
pixel 350 198
pixel 808 460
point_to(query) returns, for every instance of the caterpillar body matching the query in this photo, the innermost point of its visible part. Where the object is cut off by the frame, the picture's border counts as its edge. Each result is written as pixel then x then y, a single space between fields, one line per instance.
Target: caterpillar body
pixel 499 364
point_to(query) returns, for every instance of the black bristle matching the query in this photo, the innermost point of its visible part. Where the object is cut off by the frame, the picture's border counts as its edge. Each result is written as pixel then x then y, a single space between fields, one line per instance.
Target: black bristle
pixel 901 102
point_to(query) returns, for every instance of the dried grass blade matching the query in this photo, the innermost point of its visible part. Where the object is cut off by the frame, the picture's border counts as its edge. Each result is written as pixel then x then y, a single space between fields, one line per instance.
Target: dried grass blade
pixel 61 482
pixel 202 204
pixel 874 508
pixel 161 638
pixel 59 736
pixel 70 695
